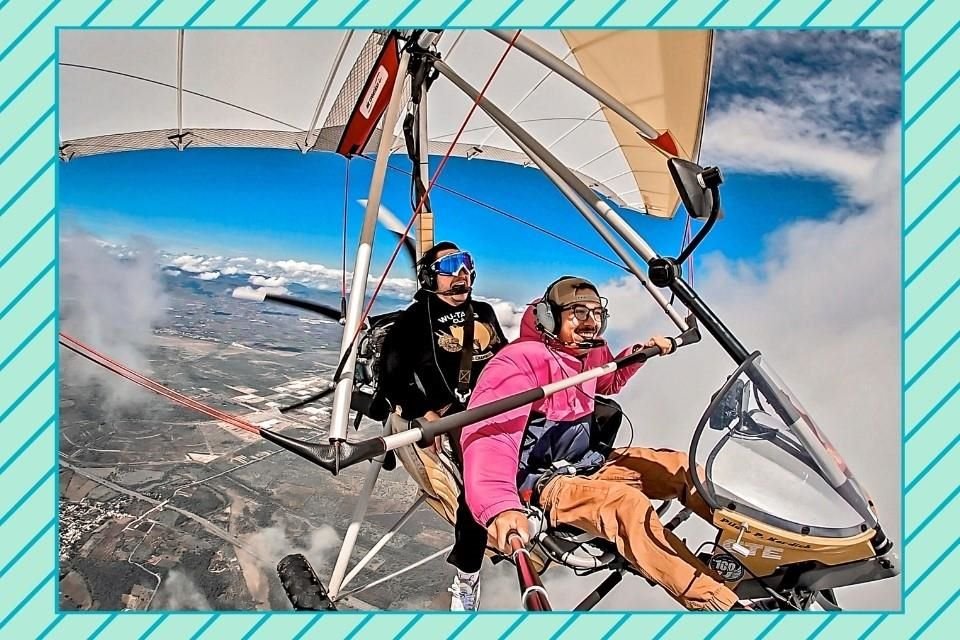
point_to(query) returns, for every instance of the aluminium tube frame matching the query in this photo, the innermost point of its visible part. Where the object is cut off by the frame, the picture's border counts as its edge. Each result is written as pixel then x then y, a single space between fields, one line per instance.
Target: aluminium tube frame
pixel 678 286
pixel 398 572
pixel 328 83
pixel 348 353
pixel 425 221
pixel 574 189
pixel 382 542
pixel 603 231
pixel 564 70
pixel 353 529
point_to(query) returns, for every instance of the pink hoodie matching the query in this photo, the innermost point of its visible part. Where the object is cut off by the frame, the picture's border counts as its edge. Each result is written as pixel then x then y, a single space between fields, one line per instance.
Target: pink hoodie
pixel 491 448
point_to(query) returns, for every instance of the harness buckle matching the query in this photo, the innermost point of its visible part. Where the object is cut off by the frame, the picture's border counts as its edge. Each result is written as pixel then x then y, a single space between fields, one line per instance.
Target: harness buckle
pixel 557 468
pixel 562 467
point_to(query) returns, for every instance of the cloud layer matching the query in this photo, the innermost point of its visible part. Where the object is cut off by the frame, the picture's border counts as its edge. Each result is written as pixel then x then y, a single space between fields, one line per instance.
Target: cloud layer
pixel 279 273
pixel 823 305
pixel 847 82
pixel 111 298
pixel 816 103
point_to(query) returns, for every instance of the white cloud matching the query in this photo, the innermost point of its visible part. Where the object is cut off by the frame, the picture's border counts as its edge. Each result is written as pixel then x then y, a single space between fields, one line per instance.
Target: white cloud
pixel 271 544
pixel 508 315
pixel 279 273
pixel 209 275
pixel 804 103
pixel 111 298
pixel 763 137
pixel 192 264
pixel 252 292
pixel 179 592
pixel 823 305
pixel 847 82
pixel 261 281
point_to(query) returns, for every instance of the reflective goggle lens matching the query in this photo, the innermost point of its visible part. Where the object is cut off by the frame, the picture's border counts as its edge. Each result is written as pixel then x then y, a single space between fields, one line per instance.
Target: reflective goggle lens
pixel 452 264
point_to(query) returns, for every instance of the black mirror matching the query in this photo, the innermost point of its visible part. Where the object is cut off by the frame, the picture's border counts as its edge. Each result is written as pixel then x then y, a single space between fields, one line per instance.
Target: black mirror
pixel 694 190
pixel 700 191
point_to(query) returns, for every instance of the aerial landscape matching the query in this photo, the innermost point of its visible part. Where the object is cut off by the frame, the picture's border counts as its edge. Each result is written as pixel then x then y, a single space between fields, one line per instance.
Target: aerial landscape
pixel 162 508
pixel 165 246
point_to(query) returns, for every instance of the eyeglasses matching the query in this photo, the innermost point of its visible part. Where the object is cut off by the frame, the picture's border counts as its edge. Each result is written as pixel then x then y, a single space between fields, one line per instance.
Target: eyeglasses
pixel 581 312
pixel 451 265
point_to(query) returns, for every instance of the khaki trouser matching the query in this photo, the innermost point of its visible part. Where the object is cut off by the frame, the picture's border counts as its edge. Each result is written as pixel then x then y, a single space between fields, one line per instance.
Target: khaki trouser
pixel 614 504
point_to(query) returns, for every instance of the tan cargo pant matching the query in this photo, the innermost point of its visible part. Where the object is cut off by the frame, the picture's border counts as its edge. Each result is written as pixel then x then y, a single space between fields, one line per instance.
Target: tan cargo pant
pixel 614 504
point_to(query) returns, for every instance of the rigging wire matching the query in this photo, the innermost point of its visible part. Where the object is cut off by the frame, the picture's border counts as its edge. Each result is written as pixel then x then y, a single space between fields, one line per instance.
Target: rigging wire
pixel 688 263
pixel 106 362
pixel 687 238
pixel 423 199
pixel 511 216
pixel 343 253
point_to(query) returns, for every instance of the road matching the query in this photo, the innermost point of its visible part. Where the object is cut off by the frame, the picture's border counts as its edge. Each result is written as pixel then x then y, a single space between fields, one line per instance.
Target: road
pixel 350 601
pixel 165 504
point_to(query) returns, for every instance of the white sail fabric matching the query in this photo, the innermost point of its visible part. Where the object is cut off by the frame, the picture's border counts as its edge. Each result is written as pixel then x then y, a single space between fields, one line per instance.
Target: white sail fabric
pixel 259 88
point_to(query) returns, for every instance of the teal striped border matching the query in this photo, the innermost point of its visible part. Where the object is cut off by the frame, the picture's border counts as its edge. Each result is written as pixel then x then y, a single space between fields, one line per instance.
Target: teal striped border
pixel 28 325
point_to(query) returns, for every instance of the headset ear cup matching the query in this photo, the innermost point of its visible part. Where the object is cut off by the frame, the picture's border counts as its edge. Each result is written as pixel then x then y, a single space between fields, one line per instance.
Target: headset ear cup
pixel 424 277
pixel 544 315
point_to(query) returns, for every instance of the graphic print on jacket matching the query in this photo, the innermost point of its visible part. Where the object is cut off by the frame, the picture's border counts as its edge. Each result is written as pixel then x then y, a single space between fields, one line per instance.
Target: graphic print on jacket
pixel 422 352
pixel 451 340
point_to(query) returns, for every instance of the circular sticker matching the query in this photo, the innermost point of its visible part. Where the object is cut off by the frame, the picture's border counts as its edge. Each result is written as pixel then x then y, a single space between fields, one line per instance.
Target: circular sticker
pixel 727 567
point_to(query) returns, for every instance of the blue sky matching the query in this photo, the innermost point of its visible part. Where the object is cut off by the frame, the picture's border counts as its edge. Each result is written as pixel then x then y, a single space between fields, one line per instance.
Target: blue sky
pixel 804 267
pixel 790 120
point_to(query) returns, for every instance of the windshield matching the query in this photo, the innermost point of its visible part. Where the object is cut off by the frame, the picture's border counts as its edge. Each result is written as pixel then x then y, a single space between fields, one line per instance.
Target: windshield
pixel 763 455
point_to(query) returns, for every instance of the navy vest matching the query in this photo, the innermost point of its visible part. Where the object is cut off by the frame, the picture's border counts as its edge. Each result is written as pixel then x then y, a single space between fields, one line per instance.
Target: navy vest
pixel 546 442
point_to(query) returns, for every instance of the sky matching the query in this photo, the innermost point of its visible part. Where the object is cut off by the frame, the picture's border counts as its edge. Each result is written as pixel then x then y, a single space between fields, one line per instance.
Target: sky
pixel 804 265
pixel 282 205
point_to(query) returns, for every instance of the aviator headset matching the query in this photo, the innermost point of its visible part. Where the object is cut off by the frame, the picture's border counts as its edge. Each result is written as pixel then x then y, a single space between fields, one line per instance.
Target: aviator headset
pixel 427 270
pixel 547 315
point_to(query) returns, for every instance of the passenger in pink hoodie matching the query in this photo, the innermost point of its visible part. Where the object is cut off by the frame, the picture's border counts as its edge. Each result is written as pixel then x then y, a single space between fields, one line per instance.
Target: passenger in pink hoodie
pixel 550 454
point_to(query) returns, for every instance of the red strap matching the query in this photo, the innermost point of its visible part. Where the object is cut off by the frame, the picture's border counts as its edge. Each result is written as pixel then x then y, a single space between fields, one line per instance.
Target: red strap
pixel 108 363
pixel 372 101
pixel 433 181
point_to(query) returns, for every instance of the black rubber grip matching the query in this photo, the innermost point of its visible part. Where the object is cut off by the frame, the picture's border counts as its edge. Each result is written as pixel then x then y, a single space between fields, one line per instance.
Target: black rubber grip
pixel 641 355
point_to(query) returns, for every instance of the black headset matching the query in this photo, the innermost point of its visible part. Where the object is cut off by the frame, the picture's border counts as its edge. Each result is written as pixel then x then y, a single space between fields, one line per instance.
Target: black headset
pixel 426 276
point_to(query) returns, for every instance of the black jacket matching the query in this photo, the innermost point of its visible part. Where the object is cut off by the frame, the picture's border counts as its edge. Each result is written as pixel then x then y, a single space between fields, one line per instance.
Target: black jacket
pixel 421 353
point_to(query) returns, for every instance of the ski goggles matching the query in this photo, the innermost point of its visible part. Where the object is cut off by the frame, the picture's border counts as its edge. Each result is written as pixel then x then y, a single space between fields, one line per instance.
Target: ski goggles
pixel 451 265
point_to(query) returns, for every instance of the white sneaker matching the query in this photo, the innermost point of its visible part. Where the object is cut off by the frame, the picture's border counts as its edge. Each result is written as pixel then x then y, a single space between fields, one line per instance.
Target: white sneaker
pixel 465 594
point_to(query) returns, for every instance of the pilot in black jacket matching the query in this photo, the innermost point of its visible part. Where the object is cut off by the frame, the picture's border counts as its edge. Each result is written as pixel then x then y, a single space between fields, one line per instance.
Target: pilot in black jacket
pixel 425 372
